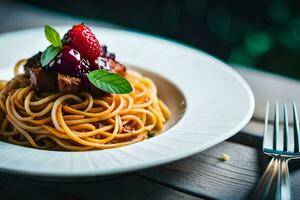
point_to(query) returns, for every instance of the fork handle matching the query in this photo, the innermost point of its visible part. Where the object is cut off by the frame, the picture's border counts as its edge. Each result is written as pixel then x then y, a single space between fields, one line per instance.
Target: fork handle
pixel 275 182
pixel 266 182
pixel 284 189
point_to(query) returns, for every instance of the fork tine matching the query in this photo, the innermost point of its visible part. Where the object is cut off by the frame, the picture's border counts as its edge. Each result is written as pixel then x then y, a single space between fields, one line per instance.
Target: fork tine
pixel 285 129
pixel 267 139
pixel 276 127
pixel 296 128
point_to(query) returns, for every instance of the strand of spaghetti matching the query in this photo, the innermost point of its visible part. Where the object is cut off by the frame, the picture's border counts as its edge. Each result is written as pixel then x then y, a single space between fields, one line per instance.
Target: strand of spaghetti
pixel 23 132
pixel 44 100
pixel 18 142
pixel 65 145
pixel 83 104
pixel 79 134
pixel 2 104
pixel 94 115
pixel 22 93
pixel 79 127
pixel 144 118
pixel 166 112
pixel 10 86
pixel 18 65
pixel 56 104
pixel 46 143
pixel 90 100
pixel 73 136
pixel 150 84
pixel 22 81
pixel 100 123
pixel 112 136
pixel 101 116
pixel 101 103
pixel 70 117
pixel 16 121
pixel 38 114
pixel 19 103
pixel 157 110
pixel 79 121
pixel 134 118
pixel 2 84
pixel 14 101
pixel 84 142
pixel 143 105
pixel 41 121
pixel 119 136
pixel 4 126
pixel 55 132
pixel 129 105
pixel 97 109
pixel 147 112
pixel 7 133
pixel 159 123
pixel 142 88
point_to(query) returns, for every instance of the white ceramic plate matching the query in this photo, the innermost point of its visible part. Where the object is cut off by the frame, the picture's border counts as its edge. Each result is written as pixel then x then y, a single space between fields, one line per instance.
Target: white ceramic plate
pixel 218 104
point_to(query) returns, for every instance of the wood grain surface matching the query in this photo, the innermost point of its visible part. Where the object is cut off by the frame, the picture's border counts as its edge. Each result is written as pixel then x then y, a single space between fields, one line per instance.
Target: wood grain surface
pixel 206 175
pixel 124 187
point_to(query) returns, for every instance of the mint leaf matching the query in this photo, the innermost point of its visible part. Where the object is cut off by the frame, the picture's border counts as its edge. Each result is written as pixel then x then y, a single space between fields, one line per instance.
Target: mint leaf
pixel 53 36
pixel 109 82
pixel 49 54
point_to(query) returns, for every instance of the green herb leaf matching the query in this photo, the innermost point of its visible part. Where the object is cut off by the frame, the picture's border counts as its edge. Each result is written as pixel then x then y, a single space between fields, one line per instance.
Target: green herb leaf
pixel 151 134
pixel 49 54
pixel 109 82
pixel 53 36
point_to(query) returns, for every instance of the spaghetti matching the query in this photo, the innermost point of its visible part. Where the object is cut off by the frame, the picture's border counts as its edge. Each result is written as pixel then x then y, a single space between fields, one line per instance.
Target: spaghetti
pixel 79 122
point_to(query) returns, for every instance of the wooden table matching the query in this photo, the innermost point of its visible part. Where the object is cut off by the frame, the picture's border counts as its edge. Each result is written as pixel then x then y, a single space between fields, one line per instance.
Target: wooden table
pixel 202 176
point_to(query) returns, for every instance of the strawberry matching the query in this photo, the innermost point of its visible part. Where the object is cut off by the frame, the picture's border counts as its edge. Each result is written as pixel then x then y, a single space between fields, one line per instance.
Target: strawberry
pixel 81 38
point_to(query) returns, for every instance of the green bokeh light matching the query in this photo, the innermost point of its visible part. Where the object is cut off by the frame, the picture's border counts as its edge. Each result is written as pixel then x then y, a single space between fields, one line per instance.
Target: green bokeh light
pixel 258 43
pixel 290 37
pixel 241 56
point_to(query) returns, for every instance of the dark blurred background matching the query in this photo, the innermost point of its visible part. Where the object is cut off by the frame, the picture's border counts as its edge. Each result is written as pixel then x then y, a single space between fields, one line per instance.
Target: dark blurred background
pixel 261 34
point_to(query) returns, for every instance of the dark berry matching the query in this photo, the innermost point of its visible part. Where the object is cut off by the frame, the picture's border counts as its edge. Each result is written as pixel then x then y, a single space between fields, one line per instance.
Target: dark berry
pixel 85 82
pixel 84 67
pixel 100 63
pixel 67 62
pixel 103 50
pixel 111 56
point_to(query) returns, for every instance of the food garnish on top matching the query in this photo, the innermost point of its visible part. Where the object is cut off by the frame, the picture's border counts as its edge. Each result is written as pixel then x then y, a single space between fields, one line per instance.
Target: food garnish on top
pixel 76 63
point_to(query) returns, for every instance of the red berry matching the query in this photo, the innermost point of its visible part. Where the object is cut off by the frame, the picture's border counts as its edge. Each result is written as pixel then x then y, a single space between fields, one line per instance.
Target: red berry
pixel 81 38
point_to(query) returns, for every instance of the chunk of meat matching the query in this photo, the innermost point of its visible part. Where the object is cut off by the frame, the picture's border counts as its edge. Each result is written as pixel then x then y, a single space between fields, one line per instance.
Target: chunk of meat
pixel 33 62
pixel 128 128
pixel 95 92
pixel 116 67
pixel 98 125
pixel 68 84
pixel 42 81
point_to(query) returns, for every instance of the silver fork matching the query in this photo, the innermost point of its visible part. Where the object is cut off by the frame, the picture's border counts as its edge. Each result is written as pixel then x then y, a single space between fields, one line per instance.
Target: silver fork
pixel 275 182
